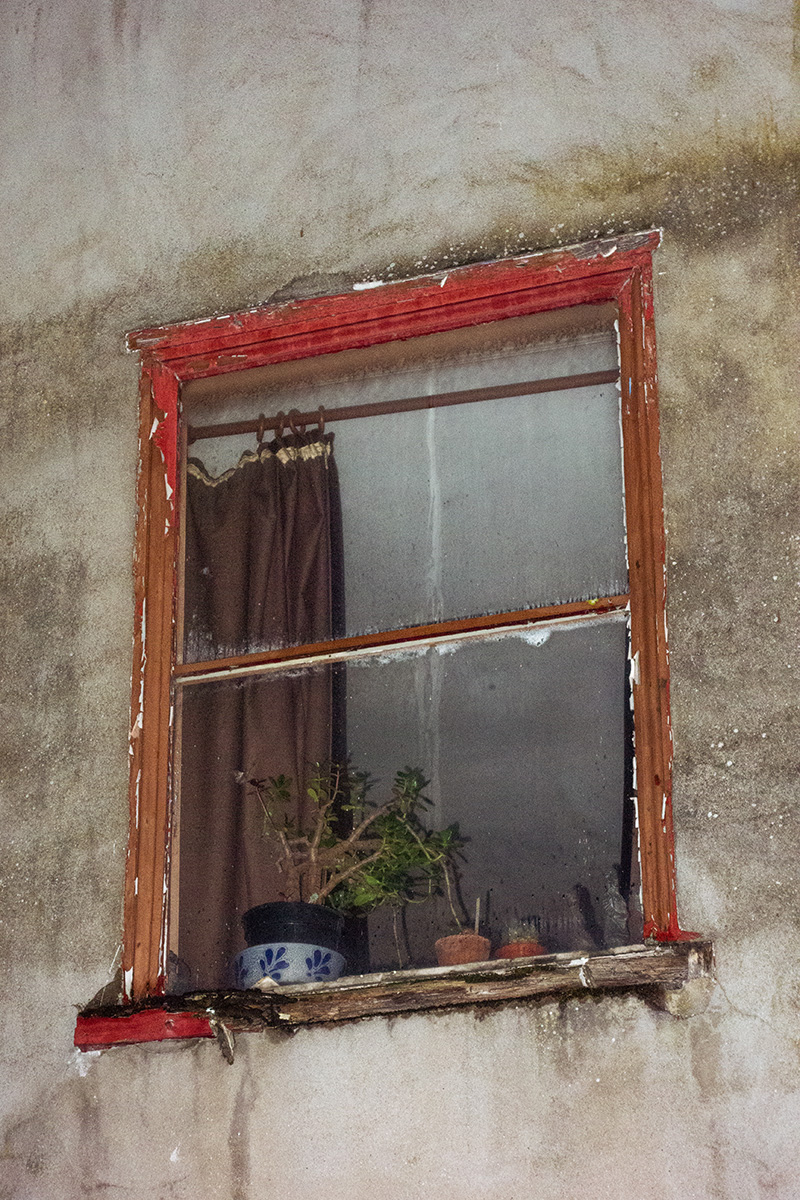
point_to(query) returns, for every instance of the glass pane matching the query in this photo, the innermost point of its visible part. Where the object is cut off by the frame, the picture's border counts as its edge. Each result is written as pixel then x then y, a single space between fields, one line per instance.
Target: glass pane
pixel 438 514
pixel 481 508
pixel 524 739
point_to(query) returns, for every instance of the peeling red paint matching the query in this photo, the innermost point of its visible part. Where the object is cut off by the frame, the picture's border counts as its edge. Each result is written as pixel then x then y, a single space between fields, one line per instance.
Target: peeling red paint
pixel 195 339
pixel 165 429
pixel 149 1025
pixel 672 933
pixel 671 930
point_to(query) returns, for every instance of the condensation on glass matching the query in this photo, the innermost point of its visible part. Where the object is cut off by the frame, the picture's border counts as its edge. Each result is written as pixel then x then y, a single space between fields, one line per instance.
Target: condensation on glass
pixel 453 513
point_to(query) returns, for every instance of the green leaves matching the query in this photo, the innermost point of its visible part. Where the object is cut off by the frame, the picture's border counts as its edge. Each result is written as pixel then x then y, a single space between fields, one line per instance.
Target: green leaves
pixel 412 859
pixel 352 853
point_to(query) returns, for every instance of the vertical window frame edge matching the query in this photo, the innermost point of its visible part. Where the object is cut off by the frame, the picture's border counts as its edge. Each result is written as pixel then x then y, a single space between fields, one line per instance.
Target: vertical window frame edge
pixel 146 890
pixel 644 505
pixel 594 273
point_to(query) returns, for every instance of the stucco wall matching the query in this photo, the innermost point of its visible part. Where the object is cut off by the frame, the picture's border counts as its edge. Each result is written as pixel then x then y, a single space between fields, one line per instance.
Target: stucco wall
pixel 170 161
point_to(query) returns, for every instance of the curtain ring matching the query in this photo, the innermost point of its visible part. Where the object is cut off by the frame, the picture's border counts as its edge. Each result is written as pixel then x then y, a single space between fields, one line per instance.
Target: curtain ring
pixel 296 425
pixel 320 421
pixel 278 424
pixel 262 428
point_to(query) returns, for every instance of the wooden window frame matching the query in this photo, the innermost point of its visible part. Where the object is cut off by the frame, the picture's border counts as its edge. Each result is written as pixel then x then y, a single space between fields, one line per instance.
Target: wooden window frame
pixel 618 271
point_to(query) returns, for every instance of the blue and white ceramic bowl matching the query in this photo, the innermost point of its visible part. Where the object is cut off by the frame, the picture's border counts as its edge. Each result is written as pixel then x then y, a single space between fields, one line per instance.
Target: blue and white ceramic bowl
pixel 286 962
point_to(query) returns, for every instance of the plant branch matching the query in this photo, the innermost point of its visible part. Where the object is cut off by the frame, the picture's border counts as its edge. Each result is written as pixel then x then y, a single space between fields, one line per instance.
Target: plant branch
pixel 333 792
pixel 268 818
pixel 352 838
pixel 456 917
pixel 335 880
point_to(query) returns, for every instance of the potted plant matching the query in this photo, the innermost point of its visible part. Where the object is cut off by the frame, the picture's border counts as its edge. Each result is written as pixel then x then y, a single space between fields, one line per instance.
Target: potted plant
pixel 521 941
pixel 384 855
pixel 465 945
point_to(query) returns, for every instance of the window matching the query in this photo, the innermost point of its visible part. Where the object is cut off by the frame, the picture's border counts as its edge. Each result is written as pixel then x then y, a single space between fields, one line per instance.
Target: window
pixel 491 607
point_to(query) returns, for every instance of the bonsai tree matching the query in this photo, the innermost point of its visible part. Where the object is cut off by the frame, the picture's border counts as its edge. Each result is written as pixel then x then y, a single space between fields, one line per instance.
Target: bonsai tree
pixel 351 853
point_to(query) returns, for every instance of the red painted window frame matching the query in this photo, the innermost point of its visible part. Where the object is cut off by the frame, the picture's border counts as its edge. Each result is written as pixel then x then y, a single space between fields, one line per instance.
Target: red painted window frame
pixel 618 271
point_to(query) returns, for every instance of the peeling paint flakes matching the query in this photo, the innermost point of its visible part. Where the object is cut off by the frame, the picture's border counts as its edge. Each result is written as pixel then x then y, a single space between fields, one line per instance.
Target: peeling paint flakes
pixel 173 1158
pixel 81 1060
pixel 154 427
pixel 634 669
pixel 368 283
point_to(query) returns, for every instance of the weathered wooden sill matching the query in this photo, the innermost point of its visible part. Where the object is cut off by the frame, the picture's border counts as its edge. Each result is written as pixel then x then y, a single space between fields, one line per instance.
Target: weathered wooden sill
pixel 663 971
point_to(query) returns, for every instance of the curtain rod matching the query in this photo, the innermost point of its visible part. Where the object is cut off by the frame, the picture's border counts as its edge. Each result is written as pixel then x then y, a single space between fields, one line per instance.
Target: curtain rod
pixel 282 421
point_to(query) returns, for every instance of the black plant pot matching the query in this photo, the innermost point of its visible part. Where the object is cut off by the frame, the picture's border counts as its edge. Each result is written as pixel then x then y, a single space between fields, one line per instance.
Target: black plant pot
pixel 293 921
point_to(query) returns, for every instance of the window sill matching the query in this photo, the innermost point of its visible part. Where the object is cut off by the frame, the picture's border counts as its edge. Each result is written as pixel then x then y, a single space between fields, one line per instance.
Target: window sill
pixel 676 976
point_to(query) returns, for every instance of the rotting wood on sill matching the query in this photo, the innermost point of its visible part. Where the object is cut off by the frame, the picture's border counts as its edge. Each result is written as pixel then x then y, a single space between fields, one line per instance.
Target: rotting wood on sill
pixel 662 972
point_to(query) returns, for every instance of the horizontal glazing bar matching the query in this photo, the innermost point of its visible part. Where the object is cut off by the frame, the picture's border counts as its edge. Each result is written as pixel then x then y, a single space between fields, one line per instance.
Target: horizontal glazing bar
pixel 398 639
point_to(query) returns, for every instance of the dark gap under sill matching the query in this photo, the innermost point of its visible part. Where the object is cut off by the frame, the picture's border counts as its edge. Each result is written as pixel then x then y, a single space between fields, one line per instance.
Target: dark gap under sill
pixel 660 970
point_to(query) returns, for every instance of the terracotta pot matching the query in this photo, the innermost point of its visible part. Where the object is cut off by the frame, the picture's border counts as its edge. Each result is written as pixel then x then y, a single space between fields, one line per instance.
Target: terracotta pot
pixel 462 948
pixel 520 950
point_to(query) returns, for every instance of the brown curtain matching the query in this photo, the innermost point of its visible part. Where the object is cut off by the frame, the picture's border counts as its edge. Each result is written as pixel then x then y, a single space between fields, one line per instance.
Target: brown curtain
pixel 262 561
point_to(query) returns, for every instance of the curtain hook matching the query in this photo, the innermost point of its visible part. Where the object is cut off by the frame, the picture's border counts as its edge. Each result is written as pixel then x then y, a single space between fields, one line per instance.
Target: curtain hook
pixel 321 421
pixel 262 428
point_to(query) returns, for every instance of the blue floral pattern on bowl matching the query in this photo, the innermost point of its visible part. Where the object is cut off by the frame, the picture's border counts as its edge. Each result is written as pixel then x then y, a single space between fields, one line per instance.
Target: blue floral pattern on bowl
pixel 284 963
pixel 318 965
pixel 273 962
